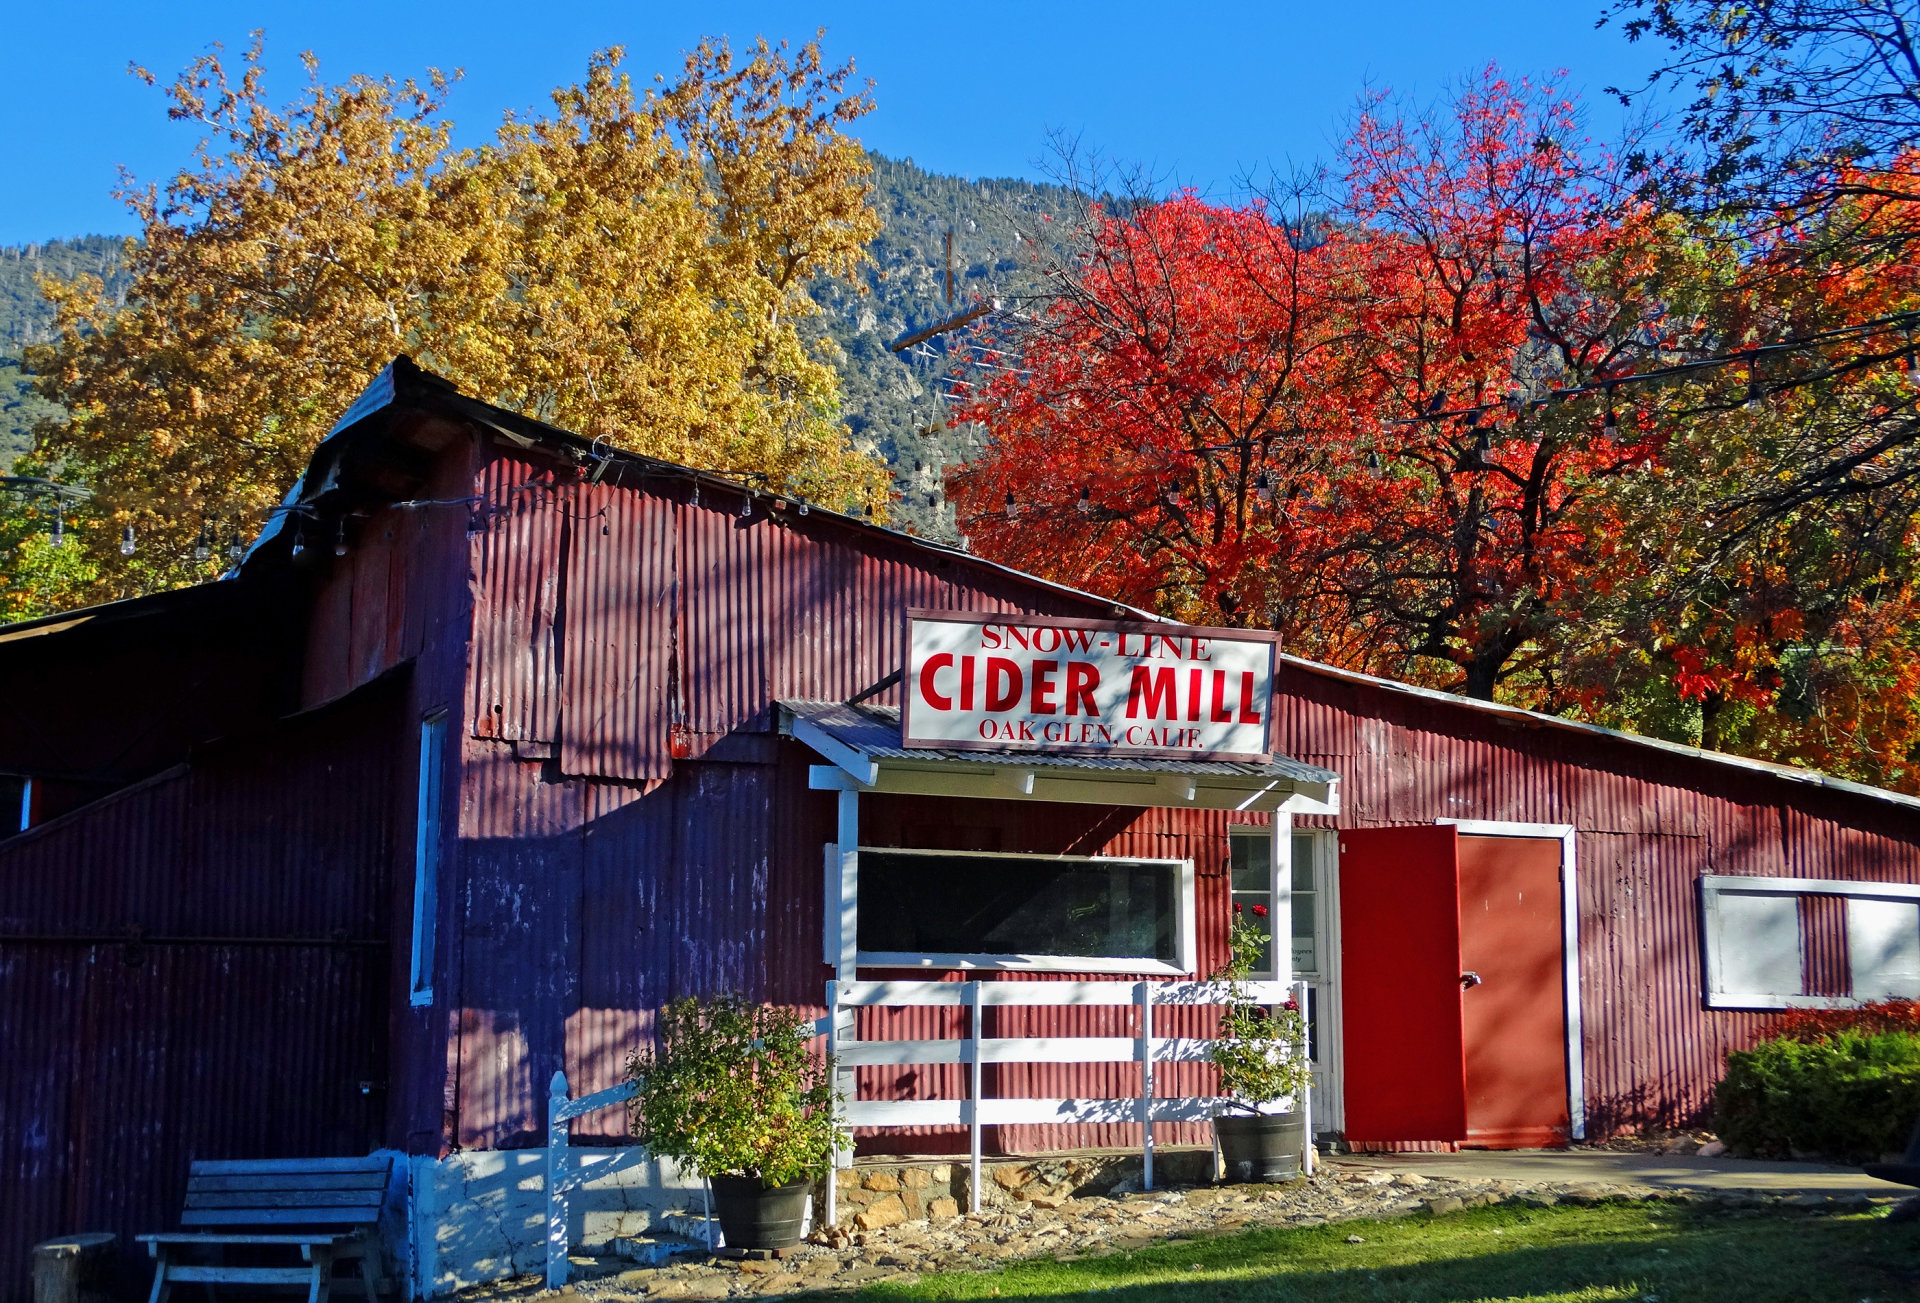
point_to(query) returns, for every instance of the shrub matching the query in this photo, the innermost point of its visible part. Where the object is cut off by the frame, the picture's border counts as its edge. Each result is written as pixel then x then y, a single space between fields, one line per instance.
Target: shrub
pixel 1848 1095
pixel 1818 1024
pixel 1261 1053
pixel 734 1091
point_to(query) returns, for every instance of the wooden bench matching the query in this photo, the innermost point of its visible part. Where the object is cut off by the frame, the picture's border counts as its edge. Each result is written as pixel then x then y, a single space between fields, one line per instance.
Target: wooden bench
pixel 325 1209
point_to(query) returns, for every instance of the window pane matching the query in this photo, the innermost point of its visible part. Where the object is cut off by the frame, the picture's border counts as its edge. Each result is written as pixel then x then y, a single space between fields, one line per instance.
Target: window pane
pixel 1303 861
pixel 1249 904
pixel 1016 905
pixel 1251 853
pixel 1883 940
pixel 1757 944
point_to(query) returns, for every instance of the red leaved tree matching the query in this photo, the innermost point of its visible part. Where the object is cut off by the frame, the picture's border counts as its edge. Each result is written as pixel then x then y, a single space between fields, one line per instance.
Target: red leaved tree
pixel 1288 423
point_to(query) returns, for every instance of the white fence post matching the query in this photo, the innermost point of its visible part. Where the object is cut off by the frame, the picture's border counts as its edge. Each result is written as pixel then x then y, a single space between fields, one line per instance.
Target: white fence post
pixel 833 1051
pixel 1306 1093
pixel 976 1022
pixel 556 1178
pixel 1146 1084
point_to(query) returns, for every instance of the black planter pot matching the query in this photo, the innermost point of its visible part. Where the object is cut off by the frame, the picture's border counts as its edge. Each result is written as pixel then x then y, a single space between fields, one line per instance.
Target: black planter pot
pixel 757 1216
pixel 1263 1148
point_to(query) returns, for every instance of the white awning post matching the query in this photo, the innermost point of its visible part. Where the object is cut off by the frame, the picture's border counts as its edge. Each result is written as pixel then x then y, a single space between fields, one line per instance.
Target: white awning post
pixel 1146 1084
pixel 849 844
pixel 976 1024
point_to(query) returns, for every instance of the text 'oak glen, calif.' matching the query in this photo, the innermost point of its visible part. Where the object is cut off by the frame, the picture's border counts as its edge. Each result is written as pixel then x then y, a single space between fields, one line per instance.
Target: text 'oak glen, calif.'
pixel 993 682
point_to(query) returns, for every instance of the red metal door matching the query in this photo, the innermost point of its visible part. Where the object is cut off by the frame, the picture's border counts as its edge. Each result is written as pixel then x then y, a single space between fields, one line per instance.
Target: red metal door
pixel 1515 1018
pixel 1400 985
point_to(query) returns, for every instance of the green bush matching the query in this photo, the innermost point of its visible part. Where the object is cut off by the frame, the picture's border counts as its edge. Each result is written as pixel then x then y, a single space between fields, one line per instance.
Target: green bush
pixel 1851 1096
pixel 733 1090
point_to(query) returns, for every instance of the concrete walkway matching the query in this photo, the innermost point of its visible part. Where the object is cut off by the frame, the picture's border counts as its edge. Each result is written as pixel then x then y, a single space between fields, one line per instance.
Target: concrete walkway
pixel 1671 1171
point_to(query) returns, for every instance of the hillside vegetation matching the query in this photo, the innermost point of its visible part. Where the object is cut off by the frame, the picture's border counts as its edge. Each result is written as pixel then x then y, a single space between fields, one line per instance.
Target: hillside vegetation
pixel 894 403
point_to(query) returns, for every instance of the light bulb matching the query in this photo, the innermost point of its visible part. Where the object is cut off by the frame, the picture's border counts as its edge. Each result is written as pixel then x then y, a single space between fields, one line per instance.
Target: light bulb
pixel 235 548
pixel 1263 487
pixel 1085 505
pixel 340 539
pixel 299 542
pixel 57 536
pixel 1013 508
pixel 203 544
pixel 1375 467
pixel 746 505
pixel 126 541
pixel 803 508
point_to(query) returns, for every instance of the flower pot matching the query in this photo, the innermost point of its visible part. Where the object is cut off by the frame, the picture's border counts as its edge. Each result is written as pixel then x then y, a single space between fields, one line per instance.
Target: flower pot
pixel 1262 1148
pixel 757 1216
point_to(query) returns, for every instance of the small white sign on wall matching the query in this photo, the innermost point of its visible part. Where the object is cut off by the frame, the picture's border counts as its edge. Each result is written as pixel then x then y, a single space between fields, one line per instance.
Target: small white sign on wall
pixel 994 682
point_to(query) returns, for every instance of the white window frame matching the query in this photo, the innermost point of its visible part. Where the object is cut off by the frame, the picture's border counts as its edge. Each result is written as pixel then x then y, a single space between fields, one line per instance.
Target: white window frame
pixel 1713 885
pixel 1183 925
pixel 428 851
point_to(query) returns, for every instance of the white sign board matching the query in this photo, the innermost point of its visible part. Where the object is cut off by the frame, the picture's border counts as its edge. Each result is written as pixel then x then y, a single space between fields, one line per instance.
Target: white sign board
pixel 1033 683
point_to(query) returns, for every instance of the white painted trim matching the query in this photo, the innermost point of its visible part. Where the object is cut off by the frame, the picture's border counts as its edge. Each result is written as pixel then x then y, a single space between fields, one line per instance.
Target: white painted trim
pixel 1808 887
pixel 849 894
pixel 26 803
pixel 857 764
pixel 1017 963
pixel 1713 885
pixel 1183 924
pixel 1566 835
pixel 429 851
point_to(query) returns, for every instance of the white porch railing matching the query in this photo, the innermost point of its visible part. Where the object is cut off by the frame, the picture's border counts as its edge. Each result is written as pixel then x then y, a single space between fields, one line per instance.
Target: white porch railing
pixel 975 1050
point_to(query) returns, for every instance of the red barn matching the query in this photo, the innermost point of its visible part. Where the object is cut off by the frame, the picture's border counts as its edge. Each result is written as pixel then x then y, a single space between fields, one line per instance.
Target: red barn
pixel 496 741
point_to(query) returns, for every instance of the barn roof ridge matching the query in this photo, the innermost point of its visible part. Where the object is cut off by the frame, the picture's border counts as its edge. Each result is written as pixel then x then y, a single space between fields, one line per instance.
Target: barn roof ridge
pixel 405 381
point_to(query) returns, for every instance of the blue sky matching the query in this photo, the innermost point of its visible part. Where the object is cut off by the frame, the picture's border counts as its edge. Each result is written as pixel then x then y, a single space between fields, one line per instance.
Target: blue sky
pixel 1200 93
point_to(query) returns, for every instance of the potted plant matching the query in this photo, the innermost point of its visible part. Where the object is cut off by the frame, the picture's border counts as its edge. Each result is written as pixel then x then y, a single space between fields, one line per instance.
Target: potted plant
pixel 1261 1054
pixel 732 1092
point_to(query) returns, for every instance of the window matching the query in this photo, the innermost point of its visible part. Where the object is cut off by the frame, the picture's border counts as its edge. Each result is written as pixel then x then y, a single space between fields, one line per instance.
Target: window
pixel 1883 948
pixel 955 909
pixel 426 853
pixel 1756 942
pixel 1250 855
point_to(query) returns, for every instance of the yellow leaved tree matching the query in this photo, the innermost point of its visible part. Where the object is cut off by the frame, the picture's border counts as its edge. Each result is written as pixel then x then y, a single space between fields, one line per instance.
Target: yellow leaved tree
pixel 632 266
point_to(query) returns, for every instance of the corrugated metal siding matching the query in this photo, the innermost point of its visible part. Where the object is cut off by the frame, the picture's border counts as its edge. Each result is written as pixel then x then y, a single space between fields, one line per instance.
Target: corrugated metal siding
pixel 246 1003
pixel 518 558
pixel 1649 823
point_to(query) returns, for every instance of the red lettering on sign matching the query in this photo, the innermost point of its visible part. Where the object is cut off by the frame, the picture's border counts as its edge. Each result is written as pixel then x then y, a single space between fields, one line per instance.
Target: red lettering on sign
pixel 1158 688
pixel 1078 640
pixel 1004 683
pixel 1082 679
pixel 1193 693
pixel 1248 715
pixel 1042 702
pixel 1017 637
pixel 989 636
pixel 1221 715
pixel 928 693
pixel 966 682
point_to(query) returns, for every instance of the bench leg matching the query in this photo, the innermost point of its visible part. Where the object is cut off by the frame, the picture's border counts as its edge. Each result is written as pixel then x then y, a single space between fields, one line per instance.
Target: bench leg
pixel 160 1286
pixel 369 1276
pixel 322 1276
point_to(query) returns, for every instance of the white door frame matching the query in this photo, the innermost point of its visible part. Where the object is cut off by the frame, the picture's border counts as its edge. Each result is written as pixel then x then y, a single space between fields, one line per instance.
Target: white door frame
pixel 1569 943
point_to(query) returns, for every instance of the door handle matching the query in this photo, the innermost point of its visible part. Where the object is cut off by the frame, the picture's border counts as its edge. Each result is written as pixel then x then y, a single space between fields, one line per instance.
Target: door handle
pixel 1469 980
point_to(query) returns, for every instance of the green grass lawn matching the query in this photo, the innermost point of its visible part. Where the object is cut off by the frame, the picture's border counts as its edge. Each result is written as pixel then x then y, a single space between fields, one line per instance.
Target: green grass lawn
pixel 1669 1253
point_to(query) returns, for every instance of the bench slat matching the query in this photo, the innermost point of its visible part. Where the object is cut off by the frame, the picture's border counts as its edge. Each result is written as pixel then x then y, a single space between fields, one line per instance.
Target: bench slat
pixel 335 1238
pixel 256 1166
pixel 291 1181
pixel 240 1275
pixel 275 1201
pixel 279 1216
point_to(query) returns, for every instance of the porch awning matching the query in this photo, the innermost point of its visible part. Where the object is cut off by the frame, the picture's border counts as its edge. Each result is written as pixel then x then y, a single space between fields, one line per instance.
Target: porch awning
pixel 862 743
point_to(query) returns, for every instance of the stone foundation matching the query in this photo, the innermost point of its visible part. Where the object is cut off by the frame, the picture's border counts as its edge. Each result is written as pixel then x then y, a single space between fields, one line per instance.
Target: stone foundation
pixel 882 1192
